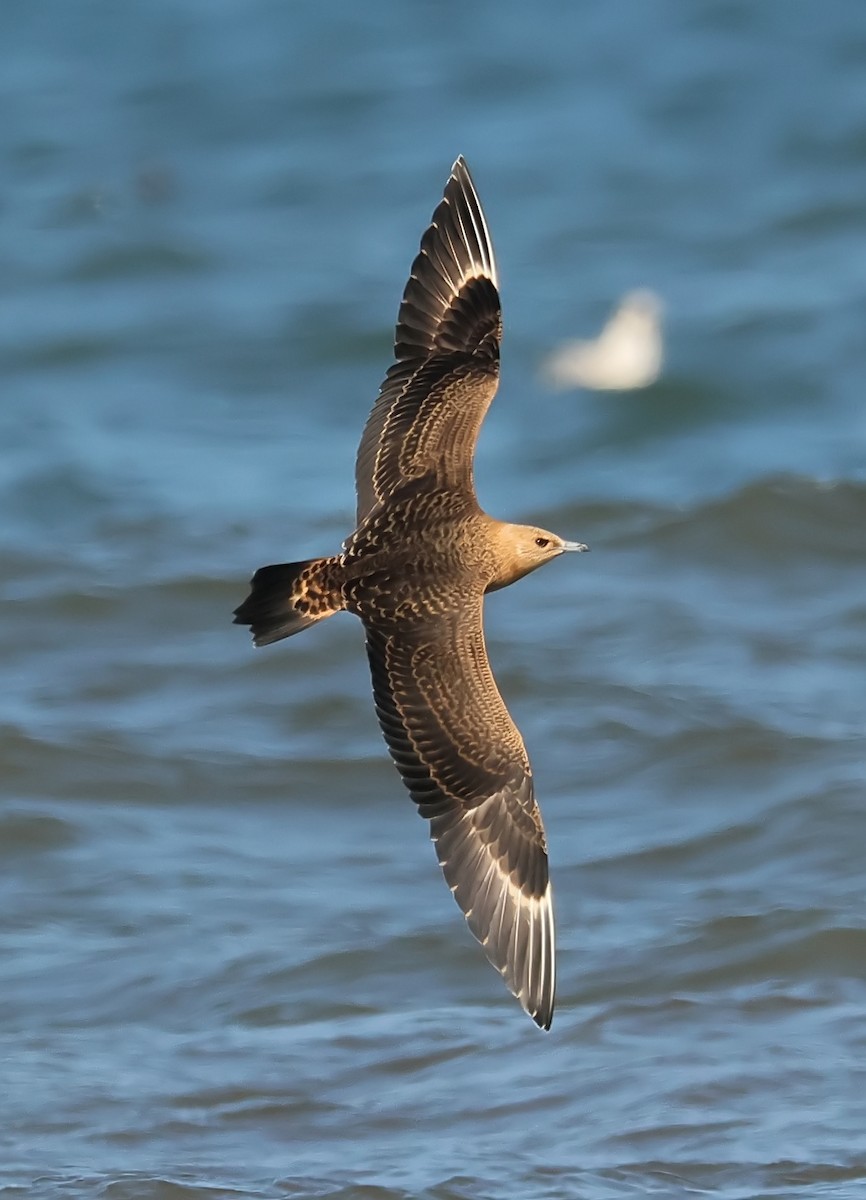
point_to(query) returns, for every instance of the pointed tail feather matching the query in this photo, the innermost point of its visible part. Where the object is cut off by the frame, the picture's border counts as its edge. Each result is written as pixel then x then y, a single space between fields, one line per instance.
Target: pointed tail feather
pixel 287 597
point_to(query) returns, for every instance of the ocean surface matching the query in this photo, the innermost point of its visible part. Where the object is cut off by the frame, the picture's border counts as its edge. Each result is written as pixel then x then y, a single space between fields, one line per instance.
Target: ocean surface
pixel 229 966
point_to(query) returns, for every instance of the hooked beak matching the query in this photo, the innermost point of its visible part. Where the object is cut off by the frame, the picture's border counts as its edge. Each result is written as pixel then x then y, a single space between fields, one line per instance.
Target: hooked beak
pixel 579 547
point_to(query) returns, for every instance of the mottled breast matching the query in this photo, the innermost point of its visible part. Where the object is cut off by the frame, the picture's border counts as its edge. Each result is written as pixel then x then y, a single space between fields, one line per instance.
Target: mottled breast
pixel 416 556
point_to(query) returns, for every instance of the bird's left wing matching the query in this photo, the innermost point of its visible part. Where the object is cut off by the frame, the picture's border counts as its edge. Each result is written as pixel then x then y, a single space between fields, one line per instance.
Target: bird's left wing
pixel 446 349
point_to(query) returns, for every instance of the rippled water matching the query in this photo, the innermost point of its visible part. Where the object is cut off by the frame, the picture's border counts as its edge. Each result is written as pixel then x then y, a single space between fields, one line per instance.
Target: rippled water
pixel 228 964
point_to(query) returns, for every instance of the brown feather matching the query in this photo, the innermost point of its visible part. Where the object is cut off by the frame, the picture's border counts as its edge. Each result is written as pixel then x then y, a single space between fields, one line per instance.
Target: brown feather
pixel 465 765
pixel 415 571
pixel 433 400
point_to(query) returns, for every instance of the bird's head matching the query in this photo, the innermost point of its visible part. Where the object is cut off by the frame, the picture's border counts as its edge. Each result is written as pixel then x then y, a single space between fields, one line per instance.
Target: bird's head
pixel 524 548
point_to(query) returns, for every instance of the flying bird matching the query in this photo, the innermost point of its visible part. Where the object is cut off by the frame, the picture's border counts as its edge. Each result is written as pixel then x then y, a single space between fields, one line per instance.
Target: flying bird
pixel 416 570
pixel 626 355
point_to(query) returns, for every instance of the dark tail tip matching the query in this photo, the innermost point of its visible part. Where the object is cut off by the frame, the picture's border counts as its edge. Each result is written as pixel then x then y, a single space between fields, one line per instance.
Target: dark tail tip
pixel 269 609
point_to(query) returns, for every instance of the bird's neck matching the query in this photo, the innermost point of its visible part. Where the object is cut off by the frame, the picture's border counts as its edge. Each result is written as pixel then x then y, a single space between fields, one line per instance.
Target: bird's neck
pixel 509 564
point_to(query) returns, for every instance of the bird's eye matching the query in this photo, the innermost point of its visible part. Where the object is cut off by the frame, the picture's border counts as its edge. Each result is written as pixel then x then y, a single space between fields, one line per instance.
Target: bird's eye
pixel 542 542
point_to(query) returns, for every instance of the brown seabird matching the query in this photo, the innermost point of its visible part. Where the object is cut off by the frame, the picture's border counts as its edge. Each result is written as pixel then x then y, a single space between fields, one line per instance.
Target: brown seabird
pixel 415 571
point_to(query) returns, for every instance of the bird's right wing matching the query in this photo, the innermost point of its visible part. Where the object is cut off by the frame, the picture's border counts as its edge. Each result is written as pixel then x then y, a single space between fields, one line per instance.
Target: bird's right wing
pixel 465 765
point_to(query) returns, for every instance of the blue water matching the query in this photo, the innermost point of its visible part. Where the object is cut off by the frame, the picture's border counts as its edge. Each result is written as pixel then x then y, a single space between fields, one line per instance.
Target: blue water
pixel 228 963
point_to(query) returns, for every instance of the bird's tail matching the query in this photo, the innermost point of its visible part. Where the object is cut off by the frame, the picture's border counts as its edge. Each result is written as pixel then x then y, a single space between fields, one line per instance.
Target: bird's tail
pixel 287 597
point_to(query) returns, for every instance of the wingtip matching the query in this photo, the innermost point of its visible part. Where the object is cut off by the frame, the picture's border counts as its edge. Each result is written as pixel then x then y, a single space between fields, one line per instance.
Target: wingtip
pixel 539 995
pixel 449 305
pixel 462 176
pixel 460 190
pixel 540 1009
pixel 513 921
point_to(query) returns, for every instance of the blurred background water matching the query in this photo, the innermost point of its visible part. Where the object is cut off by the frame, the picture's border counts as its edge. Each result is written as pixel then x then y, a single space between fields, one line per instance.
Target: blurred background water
pixel 228 963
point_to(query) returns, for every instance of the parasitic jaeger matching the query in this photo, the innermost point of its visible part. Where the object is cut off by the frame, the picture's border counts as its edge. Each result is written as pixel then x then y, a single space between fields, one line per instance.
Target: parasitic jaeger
pixel 415 571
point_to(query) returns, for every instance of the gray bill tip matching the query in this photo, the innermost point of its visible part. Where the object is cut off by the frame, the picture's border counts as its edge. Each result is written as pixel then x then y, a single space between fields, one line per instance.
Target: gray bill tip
pixel 579 547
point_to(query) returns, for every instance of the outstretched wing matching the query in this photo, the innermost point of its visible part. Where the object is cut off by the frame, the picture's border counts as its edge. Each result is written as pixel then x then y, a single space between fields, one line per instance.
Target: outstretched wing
pixel 433 400
pixel 465 765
